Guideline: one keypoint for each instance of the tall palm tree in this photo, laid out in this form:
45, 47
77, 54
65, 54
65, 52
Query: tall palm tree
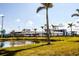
46, 6
42, 30
71, 25
76, 14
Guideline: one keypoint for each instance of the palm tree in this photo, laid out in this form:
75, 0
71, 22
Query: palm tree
42, 30
35, 40
46, 6
54, 27
35, 31
13, 33
71, 25
76, 14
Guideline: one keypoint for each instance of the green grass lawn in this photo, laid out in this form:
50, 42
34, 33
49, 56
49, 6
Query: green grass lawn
63, 46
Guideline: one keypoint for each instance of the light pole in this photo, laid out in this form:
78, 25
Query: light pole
2, 16
2, 44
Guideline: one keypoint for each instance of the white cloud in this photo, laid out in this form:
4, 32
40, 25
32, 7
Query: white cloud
29, 22
18, 20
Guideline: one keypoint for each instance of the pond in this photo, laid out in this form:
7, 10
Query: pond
16, 43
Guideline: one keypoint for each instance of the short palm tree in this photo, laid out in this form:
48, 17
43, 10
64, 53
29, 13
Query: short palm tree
70, 25
46, 6
76, 14
35, 31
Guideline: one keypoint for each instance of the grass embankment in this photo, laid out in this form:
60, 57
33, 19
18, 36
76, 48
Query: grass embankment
65, 47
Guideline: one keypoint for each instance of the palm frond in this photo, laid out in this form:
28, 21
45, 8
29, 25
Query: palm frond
52, 25
42, 27
35, 29
77, 10
68, 26
40, 8
49, 5
75, 15
71, 24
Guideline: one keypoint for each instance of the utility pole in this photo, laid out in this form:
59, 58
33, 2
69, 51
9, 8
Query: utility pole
2, 44
2, 26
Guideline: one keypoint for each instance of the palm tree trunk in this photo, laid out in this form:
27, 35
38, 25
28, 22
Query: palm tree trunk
48, 34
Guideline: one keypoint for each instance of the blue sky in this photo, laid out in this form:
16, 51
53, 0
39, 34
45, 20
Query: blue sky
23, 15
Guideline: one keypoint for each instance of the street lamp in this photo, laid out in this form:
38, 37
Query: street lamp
2, 16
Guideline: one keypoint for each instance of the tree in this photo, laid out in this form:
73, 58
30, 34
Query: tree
71, 25
54, 27
12, 33
76, 14
35, 31
46, 6
24, 30
3, 32
35, 40
42, 30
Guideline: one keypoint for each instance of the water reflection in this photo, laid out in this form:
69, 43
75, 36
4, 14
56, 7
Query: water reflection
16, 43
